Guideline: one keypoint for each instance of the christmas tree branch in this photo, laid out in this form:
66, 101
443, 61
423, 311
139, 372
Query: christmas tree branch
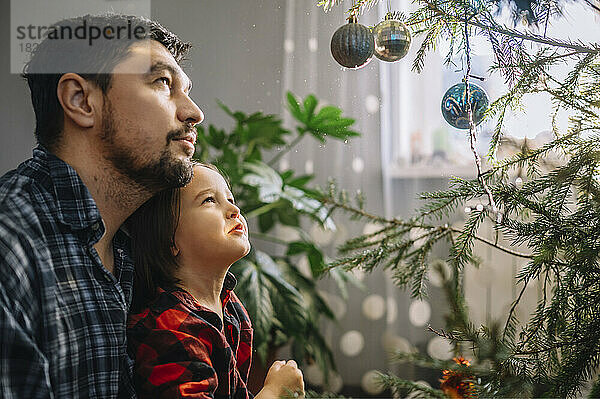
532, 37
396, 222
496, 246
506, 31
514, 305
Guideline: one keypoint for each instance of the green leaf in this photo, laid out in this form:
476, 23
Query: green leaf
310, 103
216, 137
265, 131
255, 288
295, 248
224, 108
327, 122
229, 159
326, 113
266, 221
287, 300
287, 174
270, 187
271, 270
287, 215
314, 255
300, 181
294, 108
240, 116
265, 179
303, 203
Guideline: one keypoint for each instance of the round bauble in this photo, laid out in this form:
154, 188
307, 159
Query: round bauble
352, 45
454, 105
392, 39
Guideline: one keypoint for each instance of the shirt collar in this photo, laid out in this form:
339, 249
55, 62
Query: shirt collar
76, 207
230, 282
228, 285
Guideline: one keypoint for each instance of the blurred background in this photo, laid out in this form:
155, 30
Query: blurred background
248, 55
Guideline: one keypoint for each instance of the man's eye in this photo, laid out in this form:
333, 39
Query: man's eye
209, 199
165, 80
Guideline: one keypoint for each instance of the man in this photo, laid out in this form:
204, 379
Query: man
114, 124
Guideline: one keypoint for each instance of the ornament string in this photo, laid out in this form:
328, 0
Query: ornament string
472, 137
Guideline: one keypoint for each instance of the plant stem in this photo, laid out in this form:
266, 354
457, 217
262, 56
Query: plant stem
266, 237
263, 209
285, 150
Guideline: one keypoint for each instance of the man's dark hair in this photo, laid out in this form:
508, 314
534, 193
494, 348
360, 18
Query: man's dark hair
54, 57
152, 228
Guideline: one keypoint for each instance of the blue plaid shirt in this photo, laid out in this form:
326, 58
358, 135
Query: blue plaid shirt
62, 314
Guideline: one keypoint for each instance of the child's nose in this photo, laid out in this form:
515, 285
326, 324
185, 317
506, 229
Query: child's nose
234, 212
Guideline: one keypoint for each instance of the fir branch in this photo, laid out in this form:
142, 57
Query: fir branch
531, 155
529, 36
510, 320
492, 26
400, 227
416, 390
461, 251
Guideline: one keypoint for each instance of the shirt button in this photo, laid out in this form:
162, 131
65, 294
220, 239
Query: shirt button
96, 226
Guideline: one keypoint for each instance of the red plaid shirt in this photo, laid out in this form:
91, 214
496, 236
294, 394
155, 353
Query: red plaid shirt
184, 350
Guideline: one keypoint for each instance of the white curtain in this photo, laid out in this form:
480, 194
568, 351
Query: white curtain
373, 321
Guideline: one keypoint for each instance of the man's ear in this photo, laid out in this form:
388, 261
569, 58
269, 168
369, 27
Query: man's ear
78, 98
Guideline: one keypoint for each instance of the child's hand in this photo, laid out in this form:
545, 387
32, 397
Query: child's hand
284, 379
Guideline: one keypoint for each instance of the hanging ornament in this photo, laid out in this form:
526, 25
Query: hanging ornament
392, 39
455, 109
352, 45
457, 384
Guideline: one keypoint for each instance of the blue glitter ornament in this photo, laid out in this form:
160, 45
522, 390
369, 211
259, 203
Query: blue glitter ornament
454, 107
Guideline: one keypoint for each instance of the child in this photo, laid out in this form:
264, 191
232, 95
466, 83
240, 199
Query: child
189, 333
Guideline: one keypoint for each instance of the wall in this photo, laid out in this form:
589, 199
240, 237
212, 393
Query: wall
237, 58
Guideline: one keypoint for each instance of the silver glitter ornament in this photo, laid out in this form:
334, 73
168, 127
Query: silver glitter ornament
392, 39
352, 45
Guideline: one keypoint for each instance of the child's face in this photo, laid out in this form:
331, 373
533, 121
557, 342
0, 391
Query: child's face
211, 229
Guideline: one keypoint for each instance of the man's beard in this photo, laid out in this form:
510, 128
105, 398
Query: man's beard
154, 174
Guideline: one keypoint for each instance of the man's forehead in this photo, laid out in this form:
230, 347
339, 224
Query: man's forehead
143, 57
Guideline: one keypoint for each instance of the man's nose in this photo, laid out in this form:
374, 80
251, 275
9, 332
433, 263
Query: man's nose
189, 112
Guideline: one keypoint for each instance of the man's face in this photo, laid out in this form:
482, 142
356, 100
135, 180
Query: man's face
148, 119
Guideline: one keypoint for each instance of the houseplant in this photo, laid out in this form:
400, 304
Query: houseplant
284, 303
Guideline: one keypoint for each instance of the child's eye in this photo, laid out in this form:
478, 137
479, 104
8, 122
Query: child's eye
210, 199
231, 200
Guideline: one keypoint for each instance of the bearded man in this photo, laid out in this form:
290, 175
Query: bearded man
114, 125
